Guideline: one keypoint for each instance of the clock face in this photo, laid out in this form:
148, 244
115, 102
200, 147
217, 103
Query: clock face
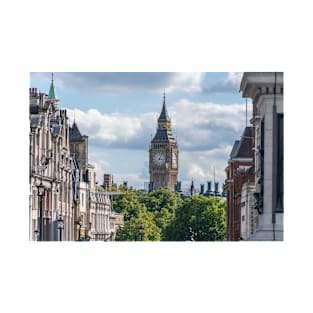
159, 158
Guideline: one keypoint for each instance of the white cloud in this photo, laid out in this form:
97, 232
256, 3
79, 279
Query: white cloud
198, 126
234, 77
206, 133
190, 82
119, 82
230, 84
202, 165
203, 126
114, 130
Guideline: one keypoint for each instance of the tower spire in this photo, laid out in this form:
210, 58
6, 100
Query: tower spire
164, 115
52, 94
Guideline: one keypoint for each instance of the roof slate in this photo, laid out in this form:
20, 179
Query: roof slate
75, 134
163, 135
164, 115
243, 147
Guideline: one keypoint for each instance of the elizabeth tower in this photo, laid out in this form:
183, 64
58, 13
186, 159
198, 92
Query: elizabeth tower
163, 158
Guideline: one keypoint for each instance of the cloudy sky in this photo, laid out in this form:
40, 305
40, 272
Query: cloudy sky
119, 111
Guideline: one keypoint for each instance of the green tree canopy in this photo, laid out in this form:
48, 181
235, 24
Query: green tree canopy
206, 216
130, 231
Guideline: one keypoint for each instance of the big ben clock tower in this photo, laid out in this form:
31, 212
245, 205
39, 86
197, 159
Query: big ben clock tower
163, 161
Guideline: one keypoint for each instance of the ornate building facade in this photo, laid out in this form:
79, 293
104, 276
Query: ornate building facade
65, 202
163, 154
266, 91
50, 169
94, 217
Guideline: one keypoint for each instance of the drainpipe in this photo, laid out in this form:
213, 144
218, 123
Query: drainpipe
274, 160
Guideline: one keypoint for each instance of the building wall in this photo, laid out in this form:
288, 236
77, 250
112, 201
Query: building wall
50, 164
235, 180
249, 216
260, 88
107, 181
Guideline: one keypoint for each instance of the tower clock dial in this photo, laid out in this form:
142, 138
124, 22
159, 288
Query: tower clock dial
159, 158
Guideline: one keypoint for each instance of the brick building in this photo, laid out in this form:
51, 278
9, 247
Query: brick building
240, 170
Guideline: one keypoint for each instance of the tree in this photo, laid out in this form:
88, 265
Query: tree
162, 198
161, 203
128, 203
130, 230
206, 217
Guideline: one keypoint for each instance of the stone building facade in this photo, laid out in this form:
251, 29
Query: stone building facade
266, 91
72, 206
93, 209
50, 166
249, 216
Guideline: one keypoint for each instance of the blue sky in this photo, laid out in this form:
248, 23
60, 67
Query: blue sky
119, 111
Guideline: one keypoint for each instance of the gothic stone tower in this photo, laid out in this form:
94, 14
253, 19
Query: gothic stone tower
163, 161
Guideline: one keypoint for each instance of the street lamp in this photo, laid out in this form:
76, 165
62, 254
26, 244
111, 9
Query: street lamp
80, 224
60, 222
141, 230
41, 193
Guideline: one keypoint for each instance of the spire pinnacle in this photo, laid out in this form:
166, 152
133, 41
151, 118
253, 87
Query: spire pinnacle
52, 94
164, 115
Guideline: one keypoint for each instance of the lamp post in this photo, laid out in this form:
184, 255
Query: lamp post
60, 222
41, 193
141, 231
80, 224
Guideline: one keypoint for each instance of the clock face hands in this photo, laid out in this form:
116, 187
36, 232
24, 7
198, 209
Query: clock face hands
159, 158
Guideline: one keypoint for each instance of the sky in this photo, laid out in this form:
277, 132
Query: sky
119, 112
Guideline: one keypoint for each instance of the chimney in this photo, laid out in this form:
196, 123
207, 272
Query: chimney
201, 189
209, 186
216, 188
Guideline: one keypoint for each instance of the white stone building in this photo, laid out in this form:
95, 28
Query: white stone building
249, 216
50, 166
93, 209
73, 206
266, 91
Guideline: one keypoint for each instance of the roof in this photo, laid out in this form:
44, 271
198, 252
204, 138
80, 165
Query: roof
164, 115
52, 94
243, 148
75, 134
163, 135
233, 151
